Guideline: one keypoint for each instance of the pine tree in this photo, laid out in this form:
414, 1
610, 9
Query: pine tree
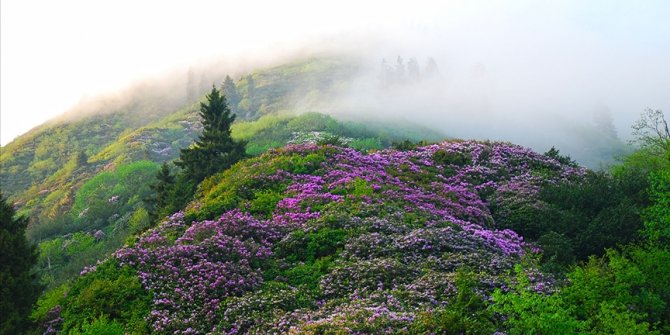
400, 71
163, 189
215, 150
431, 71
413, 72
231, 94
19, 286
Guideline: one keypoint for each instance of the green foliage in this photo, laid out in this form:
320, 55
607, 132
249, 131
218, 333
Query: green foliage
101, 326
652, 133
108, 297
465, 313
264, 202
620, 293
105, 205
307, 276
576, 219
19, 287
139, 220
215, 150
361, 188
163, 193
451, 158
308, 247
308, 256
615, 294
272, 299
278, 129
48, 301
218, 197
657, 216
332, 140
555, 154
232, 96
108, 195
404, 145
525, 311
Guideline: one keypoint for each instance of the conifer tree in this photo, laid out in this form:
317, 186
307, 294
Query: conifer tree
232, 95
215, 150
163, 189
19, 286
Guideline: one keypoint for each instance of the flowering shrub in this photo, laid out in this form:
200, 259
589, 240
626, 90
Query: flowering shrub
210, 261
322, 239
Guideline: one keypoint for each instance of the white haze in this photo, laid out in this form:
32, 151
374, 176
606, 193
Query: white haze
513, 70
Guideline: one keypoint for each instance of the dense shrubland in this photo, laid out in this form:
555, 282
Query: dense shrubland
324, 239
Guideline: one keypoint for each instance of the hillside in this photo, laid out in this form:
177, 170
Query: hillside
80, 176
147, 123
306, 239
320, 239
334, 225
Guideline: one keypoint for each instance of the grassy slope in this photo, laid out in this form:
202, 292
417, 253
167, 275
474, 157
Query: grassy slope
48, 171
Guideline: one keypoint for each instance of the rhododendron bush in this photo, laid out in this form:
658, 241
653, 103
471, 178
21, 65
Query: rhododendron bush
319, 239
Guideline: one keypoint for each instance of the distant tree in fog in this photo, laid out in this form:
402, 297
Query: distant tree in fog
431, 69
400, 70
231, 94
604, 122
413, 73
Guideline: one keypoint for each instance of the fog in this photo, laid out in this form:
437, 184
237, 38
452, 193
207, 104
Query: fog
538, 73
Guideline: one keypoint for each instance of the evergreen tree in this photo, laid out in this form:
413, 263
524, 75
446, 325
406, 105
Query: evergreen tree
604, 122
215, 150
231, 94
386, 75
413, 70
163, 189
82, 159
431, 71
19, 287
249, 105
400, 71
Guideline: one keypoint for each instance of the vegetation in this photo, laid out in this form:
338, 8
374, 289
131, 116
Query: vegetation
324, 238
107, 209
215, 150
88, 152
19, 286
323, 229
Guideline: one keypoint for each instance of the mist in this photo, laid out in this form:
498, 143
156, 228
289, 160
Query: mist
571, 76
536, 73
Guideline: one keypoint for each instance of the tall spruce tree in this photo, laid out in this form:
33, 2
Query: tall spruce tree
19, 286
163, 189
232, 95
215, 150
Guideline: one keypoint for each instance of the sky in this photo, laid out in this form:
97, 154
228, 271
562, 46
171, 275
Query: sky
560, 53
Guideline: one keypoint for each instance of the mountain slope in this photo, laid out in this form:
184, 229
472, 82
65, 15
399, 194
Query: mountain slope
320, 239
86, 175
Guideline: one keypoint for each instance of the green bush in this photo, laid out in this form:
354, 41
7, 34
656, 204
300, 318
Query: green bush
264, 202
525, 311
465, 313
101, 326
111, 292
576, 219
620, 293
